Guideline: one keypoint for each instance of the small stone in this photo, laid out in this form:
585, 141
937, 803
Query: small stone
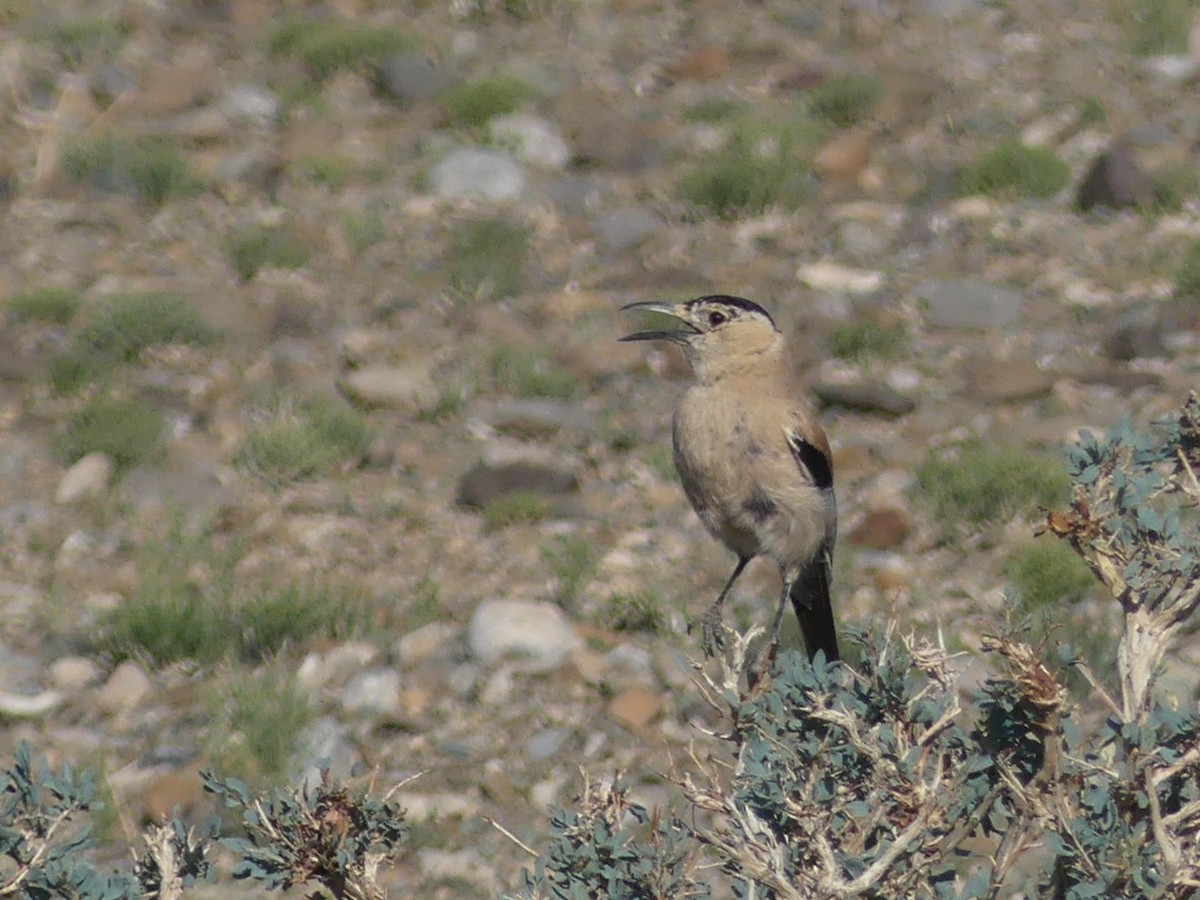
535, 140
167, 88
410, 78
702, 64
126, 687
577, 194
29, 706
251, 103
864, 396
70, 673
1115, 180
1136, 334
882, 529
540, 417
1009, 380
325, 745
844, 157
474, 171
635, 708
374, 691
827, 276
537, 633
546, 743
969, 304
408, 388
418, 645
624, 229
88, 478
486, 482
604, 138
861, 241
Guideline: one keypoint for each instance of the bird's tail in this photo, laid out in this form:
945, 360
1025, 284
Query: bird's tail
810, 599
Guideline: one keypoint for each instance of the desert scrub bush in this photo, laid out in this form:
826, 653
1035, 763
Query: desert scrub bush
486, 258
713, 109
147, 168
54, 306
126, 429
572, 560
763, 164
295, 440
1173, 187
642, 611
79, 38
1187, 276
363, 228
327, 45
845, 99
1156, 26
511, 509
1045, 574
257, 723
251, 249
860, 341
122, 326
525, 371
980, 483
1013, 168
472, 103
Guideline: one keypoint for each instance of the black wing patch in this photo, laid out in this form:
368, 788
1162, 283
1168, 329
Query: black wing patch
811, 460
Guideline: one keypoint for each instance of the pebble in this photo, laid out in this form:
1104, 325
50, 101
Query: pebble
411, 78
71, 673
624, 229
487, 482
475, 171
1009, 380
410, 388
635, 708
828, 276
171, 793
864, 396
535, 140
417, 646
882, 529
546, 743
127, 686
251, 103
86, 479
969, 304
374, 691
325, 744
844, 157
29, 706
536, 632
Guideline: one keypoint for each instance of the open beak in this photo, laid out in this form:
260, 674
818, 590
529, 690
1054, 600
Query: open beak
674, 310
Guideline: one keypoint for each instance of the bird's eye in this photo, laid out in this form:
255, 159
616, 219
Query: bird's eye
717, 318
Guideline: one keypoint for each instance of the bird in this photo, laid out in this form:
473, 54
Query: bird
753, 461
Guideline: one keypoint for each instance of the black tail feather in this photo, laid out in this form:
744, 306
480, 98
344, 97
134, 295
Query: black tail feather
810, 599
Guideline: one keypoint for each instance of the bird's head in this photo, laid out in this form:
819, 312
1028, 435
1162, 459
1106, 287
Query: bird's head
717, 333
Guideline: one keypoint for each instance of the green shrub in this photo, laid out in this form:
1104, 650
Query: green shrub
364, 228
55, 306
983, 483
270, 245
573, 562
303, 440
487, 258
472, 103
1173, 186
643, 611
147, 168
1045, 574
525, 371
326, 46
845, 99
78, 37
127, 430
124, 325
514, 508
1159, 26
1187, 276
762, 165
713, 109
274, 617
258, 722
867, 340
72, 370
1014, 168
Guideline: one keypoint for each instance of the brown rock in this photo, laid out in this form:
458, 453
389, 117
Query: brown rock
1009, 380
864, 396
635, 708
844, 157
702, 64
166, 89
1115, 180
174, 790
484, 484
882, 529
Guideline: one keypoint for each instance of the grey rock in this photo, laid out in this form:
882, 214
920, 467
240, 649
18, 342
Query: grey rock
474, 171
538, 634
251, 103
578, 194
861, 242
865, 396
411, 78
1009, 380
109, 82
374, 691
535, 140
1115, 180
540, 417
89, 477
623, 229
969, 304
486, 483
546, 743
1136, 334
325, 745
29, 706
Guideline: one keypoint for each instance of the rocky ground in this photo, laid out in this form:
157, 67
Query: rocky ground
499, 523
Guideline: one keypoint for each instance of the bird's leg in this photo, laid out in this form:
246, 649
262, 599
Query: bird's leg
767, 658
711, 637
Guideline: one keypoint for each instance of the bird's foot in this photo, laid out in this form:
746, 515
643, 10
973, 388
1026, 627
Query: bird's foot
763, 665
712, 631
